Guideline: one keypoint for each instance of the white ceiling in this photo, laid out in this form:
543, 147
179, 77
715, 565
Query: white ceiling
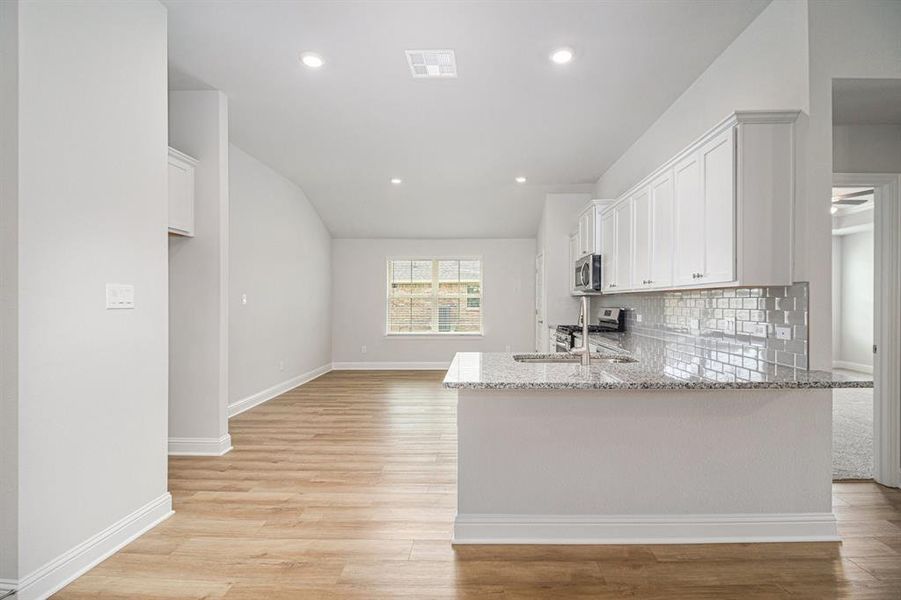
343, 131
866, 101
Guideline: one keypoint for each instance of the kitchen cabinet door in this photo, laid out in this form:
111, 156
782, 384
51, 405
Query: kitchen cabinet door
586, 232
689, 210
181, 193
661, 227
608, 250
624, 245
641, 256
717, 174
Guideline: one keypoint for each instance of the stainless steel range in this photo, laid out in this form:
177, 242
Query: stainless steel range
611, 319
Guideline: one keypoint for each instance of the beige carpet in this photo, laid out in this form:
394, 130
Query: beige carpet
852, 434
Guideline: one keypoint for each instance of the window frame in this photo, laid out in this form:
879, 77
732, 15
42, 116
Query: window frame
434, 334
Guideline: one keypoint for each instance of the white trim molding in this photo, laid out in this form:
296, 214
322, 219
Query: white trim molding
390, 366
200, 446
886, 321
67, 567
278, 389
852, 366
644, 529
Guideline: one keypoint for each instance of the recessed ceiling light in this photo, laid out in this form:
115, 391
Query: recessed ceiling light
312, 60
520, 179
561, 56
396, 180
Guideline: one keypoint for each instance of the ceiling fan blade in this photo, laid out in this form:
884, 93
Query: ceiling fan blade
854, 194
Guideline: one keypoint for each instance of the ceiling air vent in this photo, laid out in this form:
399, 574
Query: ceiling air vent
432, 64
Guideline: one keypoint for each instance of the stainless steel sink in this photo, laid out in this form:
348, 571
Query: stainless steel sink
569, 358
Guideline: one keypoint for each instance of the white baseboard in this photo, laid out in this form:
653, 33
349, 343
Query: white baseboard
844, 364
390, 366
278, 389
200, 446
67, 567
7, 585
644, 529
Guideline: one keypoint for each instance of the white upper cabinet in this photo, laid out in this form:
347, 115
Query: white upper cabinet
608, 250
661, 227
623, 246
641, 217
181, 193
589, 232
652, 214
586, 232
705, 213
689, 211
717, 214
717, 159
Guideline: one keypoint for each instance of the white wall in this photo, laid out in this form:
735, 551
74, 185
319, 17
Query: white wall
855, 309
280, 257
836, 297
9, 311
359, 292
866, 148
558, 219
846, 40
764, 68
92, 210
198, 279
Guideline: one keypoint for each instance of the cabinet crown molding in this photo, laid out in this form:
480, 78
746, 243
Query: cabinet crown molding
183, 157
765, 116
751, 117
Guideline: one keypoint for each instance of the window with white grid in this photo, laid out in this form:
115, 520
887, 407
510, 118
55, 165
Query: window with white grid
434, 296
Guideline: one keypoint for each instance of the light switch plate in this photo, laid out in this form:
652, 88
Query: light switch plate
783, 332
120, 295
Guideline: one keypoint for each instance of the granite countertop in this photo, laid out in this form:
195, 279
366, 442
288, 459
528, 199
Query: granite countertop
652, 370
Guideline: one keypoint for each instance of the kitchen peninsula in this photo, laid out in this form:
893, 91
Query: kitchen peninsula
622, 452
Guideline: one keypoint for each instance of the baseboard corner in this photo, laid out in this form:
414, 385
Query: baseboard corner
245, 404
67, 567
179, 446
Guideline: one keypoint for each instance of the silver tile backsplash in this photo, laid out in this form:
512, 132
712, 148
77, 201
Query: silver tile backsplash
720, 332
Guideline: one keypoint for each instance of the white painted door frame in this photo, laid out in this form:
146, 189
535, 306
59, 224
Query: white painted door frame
886, 321
540, 326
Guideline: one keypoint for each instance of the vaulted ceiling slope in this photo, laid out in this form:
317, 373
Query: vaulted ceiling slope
343, 131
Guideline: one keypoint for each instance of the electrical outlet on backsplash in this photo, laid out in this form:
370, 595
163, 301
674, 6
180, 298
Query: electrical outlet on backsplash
736, 331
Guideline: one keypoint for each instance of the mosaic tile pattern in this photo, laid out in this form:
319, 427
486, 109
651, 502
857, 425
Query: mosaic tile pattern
722, 334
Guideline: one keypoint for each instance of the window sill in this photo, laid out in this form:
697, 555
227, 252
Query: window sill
434, 336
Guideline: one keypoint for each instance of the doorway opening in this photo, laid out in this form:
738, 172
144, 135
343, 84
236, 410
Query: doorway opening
853, 257
866, 164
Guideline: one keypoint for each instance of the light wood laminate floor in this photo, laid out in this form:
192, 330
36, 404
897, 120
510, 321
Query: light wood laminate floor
345, 488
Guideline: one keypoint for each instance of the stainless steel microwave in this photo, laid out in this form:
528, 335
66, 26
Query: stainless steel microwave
588, 274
